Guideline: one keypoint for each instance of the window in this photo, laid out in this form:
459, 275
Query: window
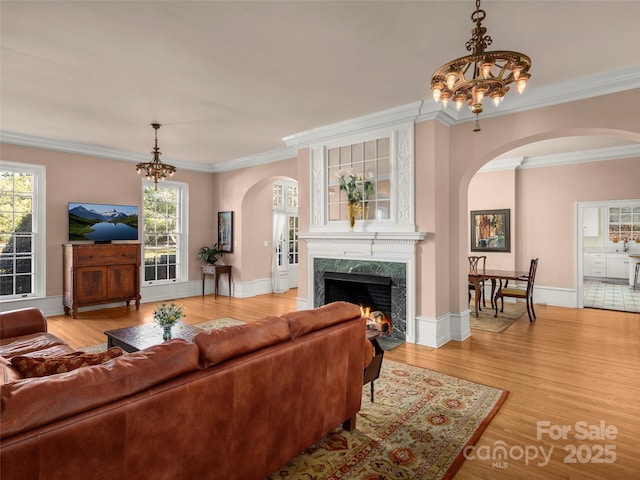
164, 221
370, 164
624, 223
278, 195
293, 239
22, 248
292, 196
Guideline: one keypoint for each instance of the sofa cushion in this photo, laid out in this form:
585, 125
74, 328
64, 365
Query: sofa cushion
306, 321
42, 366
8, 373
29, 343
216, 346
31, 402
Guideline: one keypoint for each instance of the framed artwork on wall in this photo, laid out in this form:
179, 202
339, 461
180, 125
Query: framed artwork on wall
490, 231
225, 231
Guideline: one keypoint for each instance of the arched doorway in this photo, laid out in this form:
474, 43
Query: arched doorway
285, 253
545, 183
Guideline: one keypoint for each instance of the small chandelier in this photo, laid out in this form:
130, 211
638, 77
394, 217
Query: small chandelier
156, 169
482, 74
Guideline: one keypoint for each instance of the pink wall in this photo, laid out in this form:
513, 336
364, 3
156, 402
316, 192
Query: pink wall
489, 191
78, 178
547, 200
544, 209
248, 193
304, 199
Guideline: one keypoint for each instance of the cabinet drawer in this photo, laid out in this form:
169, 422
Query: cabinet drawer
106, 255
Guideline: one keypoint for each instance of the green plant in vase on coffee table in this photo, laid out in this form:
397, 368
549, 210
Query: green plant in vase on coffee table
167, 316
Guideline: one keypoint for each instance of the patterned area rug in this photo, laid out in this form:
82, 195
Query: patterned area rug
218, 323
416, 429
208, 325
486, 322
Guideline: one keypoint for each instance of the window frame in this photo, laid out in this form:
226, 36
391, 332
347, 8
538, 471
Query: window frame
182, 227
38, 223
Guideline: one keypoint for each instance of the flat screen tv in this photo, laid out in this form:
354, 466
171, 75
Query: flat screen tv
102, 223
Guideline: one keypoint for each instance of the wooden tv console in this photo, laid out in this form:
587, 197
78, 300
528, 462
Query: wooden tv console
95, 274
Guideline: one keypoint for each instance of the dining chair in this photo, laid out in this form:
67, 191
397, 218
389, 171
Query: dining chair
477, 262
515, 292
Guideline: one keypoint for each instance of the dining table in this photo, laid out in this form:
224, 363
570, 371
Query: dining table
476, 276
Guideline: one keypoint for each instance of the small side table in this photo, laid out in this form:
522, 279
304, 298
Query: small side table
372, 372
216, 271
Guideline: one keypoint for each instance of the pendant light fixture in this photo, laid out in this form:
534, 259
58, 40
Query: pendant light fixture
156, 169
482, 74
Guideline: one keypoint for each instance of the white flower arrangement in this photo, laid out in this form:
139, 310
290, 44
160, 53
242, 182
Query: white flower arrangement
356, 187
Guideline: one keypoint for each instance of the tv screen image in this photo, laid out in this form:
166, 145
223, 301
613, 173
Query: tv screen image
102, 223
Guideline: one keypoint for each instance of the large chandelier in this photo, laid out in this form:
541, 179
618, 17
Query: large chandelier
480, 75
156, 169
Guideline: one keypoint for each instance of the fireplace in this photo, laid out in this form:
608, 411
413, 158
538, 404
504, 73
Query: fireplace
388, 276
371, 292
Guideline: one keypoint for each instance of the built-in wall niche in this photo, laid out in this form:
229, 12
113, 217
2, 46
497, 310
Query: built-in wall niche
367, 166
385, 159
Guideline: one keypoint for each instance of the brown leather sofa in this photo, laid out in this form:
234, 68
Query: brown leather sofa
238, 403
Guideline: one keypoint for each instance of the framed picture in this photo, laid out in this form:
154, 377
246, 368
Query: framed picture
490, 231
225, 231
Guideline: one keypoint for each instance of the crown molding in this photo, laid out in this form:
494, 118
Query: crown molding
286, 153
501, 164
557, 159
33, 141
386, 118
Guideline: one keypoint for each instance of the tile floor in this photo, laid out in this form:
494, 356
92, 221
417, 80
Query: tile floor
611, 296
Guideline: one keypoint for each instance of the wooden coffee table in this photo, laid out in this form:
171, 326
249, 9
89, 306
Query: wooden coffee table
132, 339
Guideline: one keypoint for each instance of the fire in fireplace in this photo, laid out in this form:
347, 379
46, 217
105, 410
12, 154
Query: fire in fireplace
376, 320
371, 292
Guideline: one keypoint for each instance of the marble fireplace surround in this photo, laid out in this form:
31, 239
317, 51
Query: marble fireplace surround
385, 254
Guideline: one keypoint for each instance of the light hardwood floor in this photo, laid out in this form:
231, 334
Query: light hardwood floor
575, 368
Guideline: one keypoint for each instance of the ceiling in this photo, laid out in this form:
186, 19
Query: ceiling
229, 79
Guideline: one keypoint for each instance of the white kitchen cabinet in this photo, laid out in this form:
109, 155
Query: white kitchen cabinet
591, 222
597, 265
617, 265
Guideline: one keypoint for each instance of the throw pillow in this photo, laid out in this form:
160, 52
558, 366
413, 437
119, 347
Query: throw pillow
9, 372
43, 366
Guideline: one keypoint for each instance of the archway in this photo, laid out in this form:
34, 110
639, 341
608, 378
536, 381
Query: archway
257, 244
544, 197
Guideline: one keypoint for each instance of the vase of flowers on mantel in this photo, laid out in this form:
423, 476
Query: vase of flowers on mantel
358, 189
167, 316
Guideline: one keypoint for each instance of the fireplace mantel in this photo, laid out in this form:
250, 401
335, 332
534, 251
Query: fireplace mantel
364, 237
